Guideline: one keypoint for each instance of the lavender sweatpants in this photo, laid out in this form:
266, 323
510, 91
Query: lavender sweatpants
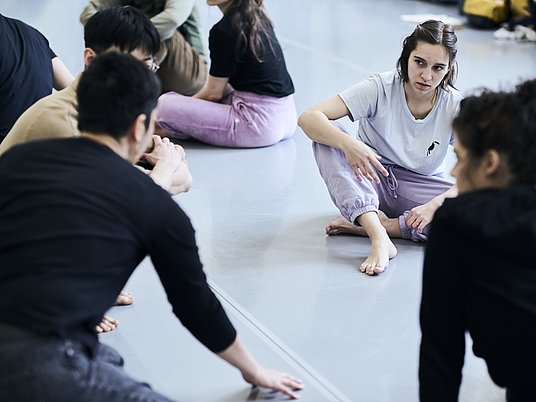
239, 120
395, 195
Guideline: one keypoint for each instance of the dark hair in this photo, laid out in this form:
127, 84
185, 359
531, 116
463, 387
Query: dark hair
113, 91
251, 22
504, 121
435, 33
126, 28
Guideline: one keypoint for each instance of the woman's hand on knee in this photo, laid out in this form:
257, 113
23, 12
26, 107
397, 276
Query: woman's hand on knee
421, 216
364, 161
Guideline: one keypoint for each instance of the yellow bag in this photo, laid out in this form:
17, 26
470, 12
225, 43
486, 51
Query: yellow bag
487, 14
519, 8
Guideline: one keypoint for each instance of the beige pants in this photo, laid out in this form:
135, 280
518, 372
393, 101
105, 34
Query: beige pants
182, 69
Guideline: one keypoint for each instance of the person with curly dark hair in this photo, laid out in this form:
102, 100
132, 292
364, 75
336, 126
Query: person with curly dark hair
247, 101
480, 269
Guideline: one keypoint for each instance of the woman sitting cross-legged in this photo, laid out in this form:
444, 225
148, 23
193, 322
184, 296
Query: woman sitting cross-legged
247, 101
390, 180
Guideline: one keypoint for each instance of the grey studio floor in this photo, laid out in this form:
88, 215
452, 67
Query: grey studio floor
295, 295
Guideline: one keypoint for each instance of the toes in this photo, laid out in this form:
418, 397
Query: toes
107, 324
124, 298
378, 269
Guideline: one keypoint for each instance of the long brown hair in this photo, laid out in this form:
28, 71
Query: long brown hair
249, 19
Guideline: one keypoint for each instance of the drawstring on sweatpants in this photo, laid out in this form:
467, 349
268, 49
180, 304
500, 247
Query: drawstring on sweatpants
392, 182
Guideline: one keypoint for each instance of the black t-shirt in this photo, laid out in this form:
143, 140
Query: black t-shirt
75, 221
270, 77
26, 73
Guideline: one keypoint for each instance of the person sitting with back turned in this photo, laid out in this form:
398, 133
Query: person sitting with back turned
181, 59
29, 70
248, 99
73, 228
479, 268
389, 181
123, 29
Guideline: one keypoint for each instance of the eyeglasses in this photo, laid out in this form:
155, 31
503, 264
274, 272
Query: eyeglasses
151, 64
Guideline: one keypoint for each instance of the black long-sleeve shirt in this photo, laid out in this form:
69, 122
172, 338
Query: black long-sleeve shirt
480, 276
75, 221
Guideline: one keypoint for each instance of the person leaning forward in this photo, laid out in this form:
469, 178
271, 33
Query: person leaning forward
181, 59
72, 230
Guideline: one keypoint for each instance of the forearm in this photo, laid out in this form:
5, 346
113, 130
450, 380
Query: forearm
440, 199
207, 95
214, 89
62, 76
317, 126
238, 356
181, 180
163, 175
175, 13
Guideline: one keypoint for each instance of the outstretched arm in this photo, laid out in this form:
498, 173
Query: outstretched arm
174, 253
238, 356
422, 215
62, 75
315, 122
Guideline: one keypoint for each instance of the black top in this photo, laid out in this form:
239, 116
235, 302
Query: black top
270, 77
26, 73
75, 221
480, 276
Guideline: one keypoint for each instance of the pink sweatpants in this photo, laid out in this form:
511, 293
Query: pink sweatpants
239, 120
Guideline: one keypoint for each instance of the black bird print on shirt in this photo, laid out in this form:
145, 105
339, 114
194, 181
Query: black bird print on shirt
431, 147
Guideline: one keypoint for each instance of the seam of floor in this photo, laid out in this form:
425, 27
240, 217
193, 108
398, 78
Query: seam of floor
324, 55
315, 378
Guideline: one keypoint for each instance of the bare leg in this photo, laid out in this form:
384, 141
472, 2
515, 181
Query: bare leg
107, 324
340, 225
382, 249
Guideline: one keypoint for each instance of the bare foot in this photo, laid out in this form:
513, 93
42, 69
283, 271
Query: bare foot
161, 132
107, 324
124, 299
341, 225
381, 252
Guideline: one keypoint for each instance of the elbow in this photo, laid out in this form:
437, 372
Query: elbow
306, 121
302, 120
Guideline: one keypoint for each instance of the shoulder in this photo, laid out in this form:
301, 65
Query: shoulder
29, 33
499, 207
222, 27
372, 85
52, 116
451, 97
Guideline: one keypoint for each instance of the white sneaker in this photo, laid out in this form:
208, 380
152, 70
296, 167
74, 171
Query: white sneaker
505, 34
525, 33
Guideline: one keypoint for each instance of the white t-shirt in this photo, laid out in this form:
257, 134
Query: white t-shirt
387, 125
